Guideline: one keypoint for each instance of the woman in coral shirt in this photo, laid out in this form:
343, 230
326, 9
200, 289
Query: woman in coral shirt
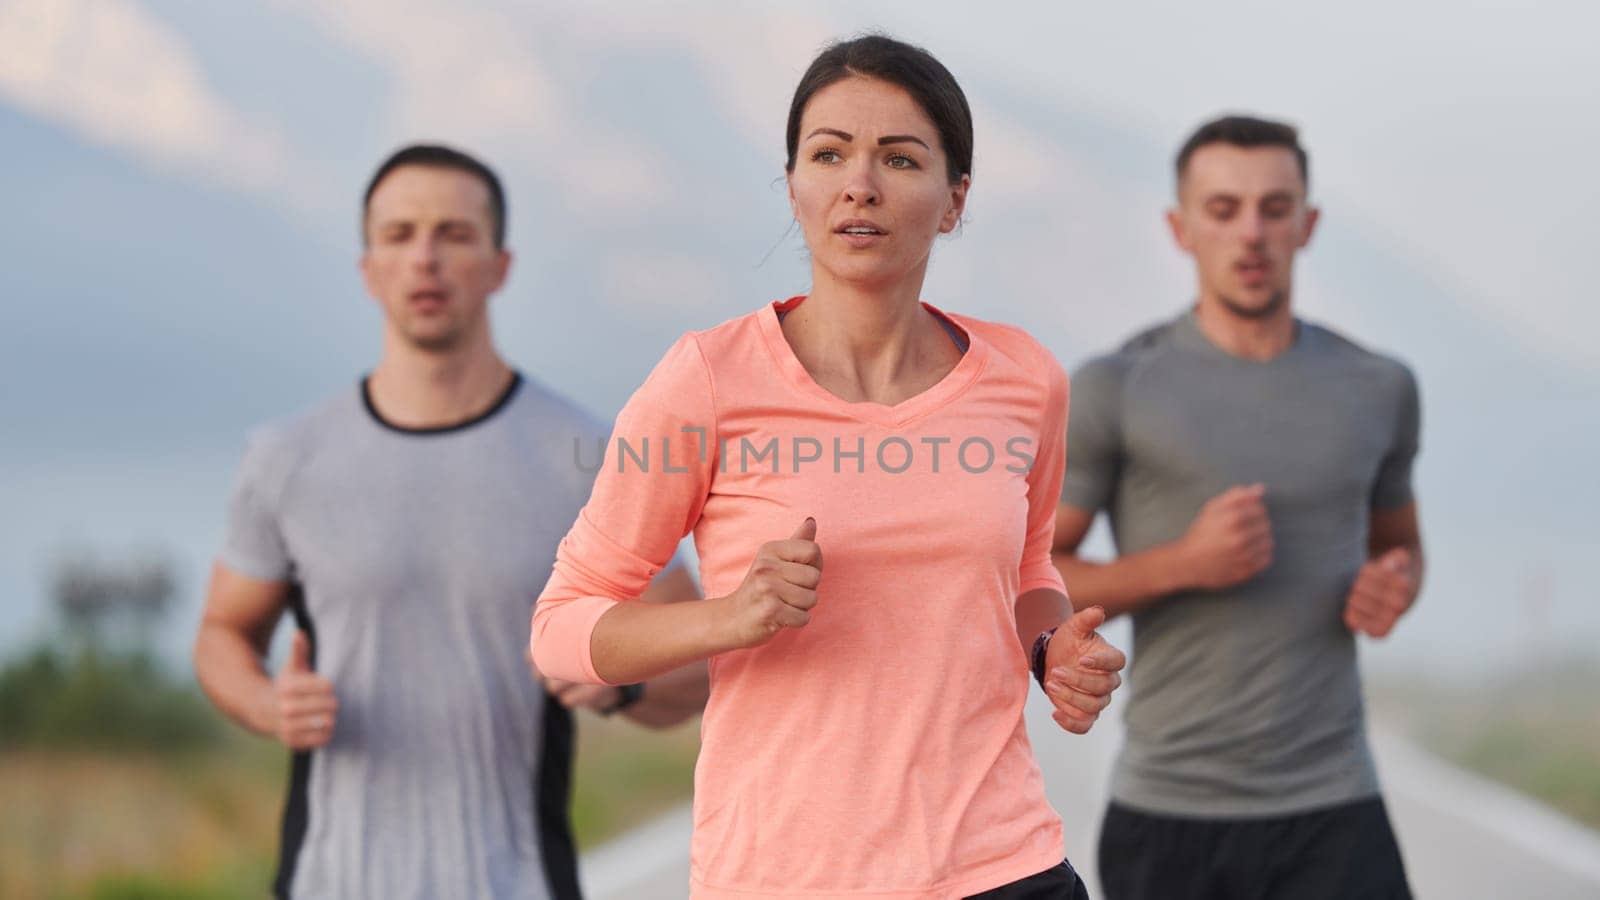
864, 736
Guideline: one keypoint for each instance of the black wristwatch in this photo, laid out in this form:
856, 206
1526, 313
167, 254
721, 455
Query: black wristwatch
627, 695
1041, 645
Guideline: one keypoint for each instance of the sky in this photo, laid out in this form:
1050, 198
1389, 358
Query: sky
183, 184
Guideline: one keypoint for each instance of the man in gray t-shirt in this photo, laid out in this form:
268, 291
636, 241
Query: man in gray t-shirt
408, 524
1256, 469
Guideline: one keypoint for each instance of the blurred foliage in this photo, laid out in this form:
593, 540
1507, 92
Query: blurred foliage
119, 782
625, 775
115, 602
103, 824
1536, 729
1544, 761
95, 684
113, 824
91, 698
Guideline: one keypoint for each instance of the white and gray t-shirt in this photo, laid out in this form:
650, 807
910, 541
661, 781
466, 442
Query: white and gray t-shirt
416, 557
1244, 701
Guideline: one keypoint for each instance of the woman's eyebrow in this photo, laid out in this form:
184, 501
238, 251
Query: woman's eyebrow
841, 135
902, 139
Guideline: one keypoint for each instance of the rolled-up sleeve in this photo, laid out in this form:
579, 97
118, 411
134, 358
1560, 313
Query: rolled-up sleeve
648, 494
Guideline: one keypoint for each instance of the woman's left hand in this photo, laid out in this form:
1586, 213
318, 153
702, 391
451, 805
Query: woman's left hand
1081, 670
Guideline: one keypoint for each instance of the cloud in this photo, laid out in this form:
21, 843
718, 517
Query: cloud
110, 71
474, 75
671, 284
1468, 156
459, 70
751, 56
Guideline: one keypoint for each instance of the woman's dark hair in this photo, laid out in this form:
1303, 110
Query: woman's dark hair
903, 65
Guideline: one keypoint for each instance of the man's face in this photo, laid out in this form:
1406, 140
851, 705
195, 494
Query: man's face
430, 259
1242, 214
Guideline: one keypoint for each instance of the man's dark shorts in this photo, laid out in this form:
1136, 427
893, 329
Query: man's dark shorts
1346, 852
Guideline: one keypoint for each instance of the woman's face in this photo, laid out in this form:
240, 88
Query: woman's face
869, 186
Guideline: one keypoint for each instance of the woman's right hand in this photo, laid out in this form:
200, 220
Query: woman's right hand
777, 593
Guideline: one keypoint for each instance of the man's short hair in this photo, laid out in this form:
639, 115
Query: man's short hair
441, 157
1245, 131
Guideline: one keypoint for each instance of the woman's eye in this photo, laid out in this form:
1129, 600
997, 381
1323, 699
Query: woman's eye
825, 156
899, 161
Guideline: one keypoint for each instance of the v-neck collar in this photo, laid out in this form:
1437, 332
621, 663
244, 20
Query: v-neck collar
900, 414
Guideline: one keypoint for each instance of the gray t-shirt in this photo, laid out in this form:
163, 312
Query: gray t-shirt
417, 556
1245, 701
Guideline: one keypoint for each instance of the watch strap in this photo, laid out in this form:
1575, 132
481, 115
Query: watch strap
627, 695
1041, 648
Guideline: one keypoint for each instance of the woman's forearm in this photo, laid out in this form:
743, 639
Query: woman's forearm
1039, 610
639, 641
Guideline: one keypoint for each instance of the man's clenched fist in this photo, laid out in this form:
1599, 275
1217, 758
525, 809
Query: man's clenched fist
572, 695
1384, 589
303, 705
1230, 540
779, 590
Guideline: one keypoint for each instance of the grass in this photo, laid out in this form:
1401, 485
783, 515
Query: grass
98, 824
625, 776
1536, 730
93, 824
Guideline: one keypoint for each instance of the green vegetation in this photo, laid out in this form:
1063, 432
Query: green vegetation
101, 824
625, 776
1536, 730
55, 698
118, 781
190, 824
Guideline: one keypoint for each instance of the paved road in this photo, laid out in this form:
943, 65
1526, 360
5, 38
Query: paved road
1461, 835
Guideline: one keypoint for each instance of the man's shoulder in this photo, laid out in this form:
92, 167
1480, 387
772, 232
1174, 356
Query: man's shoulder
277, 447
1361, 360
542, 406
292, 433
1110, 371
1155, 338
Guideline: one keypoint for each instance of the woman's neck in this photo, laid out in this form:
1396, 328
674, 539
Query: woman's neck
866, 344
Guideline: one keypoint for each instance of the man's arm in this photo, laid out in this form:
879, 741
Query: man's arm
1123, 585
668, 699
297, 707
1388, 584
1228, 542
1398, 528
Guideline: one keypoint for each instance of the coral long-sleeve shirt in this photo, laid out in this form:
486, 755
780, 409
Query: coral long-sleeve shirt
879, 751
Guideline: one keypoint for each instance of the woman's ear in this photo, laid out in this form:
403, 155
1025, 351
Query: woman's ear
958, 205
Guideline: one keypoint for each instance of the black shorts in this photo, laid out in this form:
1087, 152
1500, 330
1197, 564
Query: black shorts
1059, 882
1346, 852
